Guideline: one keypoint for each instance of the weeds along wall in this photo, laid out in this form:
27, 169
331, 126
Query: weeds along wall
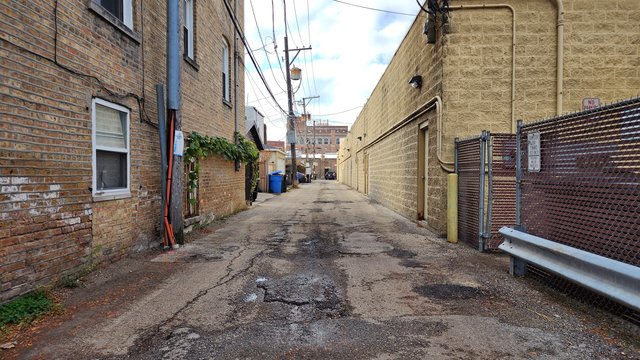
471, 68
57, 57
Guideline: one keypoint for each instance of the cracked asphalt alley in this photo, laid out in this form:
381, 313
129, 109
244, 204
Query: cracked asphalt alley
321, 272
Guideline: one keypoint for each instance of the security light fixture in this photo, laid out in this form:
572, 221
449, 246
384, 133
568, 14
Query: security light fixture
416, 82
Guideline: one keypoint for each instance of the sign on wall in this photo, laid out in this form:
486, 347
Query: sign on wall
533, 151
178, 143
590, 103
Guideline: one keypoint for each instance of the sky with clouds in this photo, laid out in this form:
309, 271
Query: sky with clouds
351, 48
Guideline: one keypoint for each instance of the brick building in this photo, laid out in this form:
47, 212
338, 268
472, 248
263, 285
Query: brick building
489, 66
327, 143
327, 137
79, 148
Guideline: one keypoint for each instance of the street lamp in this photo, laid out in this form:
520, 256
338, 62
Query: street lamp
296, 73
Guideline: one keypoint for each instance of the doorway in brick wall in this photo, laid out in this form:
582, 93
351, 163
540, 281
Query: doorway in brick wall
366, 173
423, 170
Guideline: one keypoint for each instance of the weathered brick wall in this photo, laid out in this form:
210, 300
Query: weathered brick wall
49, 223
46, 212
204, 111
601, 59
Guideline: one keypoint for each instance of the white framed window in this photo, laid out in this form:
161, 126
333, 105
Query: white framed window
121, 9
111, 150
225, 70
187, 6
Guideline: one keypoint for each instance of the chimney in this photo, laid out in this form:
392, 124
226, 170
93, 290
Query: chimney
265, 133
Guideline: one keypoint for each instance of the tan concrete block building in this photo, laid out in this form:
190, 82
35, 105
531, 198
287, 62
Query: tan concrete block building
490, 65
78, 114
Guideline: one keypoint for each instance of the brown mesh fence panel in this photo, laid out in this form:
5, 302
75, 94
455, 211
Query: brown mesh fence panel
587, 192
503, 183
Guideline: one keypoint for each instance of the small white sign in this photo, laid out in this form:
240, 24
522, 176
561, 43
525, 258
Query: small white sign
178, 143
590, 103
291, 137
533, 153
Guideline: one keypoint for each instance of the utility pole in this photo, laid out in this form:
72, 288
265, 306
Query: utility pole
291, 134
304, 111
314, 146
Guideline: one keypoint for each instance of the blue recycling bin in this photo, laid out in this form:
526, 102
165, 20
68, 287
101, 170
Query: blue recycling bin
275, 182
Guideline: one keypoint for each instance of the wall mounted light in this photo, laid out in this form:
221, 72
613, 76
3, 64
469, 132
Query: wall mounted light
416, 82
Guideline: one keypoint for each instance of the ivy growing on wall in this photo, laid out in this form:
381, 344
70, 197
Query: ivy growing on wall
201, 146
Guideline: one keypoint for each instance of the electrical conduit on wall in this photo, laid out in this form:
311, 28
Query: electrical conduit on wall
437, 101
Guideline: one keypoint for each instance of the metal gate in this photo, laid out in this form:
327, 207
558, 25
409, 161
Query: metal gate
486, 168
469, 165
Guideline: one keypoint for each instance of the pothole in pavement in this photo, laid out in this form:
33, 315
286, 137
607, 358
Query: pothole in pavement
450, 291
359, 243
336, 202
277, 238
320, 296
195, 253
414, 264
402, 254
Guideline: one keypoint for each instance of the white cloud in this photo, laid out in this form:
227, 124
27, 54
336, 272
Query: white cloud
351, 49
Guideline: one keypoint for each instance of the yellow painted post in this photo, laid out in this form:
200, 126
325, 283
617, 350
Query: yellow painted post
452, 208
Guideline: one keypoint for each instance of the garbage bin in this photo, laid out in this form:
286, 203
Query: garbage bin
275, 182
285, 180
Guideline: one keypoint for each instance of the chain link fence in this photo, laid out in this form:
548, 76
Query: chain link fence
580, 183
502, 186
580, 187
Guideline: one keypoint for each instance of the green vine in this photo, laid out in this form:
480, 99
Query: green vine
201, 146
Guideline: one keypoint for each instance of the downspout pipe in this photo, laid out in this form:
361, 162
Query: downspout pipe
560, 58
175, 165
173, 54
235, 80
559, 54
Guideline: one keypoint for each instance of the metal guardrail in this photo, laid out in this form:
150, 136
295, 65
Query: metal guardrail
610, 278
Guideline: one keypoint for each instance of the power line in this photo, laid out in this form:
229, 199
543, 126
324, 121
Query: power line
265, 98
342, 112
374, 9
250, 53
264, 46
251, 83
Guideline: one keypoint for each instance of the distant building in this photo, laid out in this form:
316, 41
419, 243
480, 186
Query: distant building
327, 140
276, 145
325, 137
